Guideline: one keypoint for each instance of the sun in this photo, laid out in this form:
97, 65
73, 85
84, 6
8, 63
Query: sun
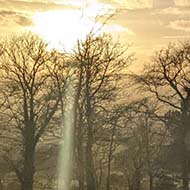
61, 29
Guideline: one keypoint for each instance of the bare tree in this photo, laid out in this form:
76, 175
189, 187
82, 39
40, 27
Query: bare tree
168, 79
101, 63
29, 99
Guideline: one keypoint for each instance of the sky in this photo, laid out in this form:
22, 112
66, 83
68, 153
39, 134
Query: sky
148, 25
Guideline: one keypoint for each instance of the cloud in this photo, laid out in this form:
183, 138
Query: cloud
182, 2
8, 17
163, 4
24, 21
6, 13
174, 12
118, 28
33, 6
141, 4
177, 37
151, 24
137, 20
129, 4
16, 15
183, 25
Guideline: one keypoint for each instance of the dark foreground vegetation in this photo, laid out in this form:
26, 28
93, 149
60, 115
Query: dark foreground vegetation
131, 131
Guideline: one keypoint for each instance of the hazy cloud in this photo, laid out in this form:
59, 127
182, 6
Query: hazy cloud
17, 14
118, 28
163, 4
23, 20
141, 4
129, 4
33, 6
12, 17
183, 25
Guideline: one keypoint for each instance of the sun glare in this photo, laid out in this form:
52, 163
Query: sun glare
61, 29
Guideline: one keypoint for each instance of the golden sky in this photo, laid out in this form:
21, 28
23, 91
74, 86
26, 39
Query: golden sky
147, 24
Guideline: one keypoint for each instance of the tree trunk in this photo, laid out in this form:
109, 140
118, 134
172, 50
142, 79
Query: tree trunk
184, 131
151, 182
80, 158
90, 177
110, 157
90, 172
78, 126
28, 171
185, 176
130, 184
28, 168
108, 175
81, 183
1, 185
185, 182
137, 180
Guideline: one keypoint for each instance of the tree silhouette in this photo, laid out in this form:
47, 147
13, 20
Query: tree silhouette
29, 100
168, 79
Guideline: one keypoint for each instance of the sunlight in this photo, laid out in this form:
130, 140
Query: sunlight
66, 151
63, 28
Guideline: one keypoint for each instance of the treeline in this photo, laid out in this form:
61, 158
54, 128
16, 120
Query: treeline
131, 131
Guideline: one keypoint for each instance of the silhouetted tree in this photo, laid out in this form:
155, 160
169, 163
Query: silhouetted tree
168, 79
29, 100
100, 63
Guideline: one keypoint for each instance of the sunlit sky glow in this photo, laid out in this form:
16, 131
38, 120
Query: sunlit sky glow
61, 31
62, 28
146, 24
